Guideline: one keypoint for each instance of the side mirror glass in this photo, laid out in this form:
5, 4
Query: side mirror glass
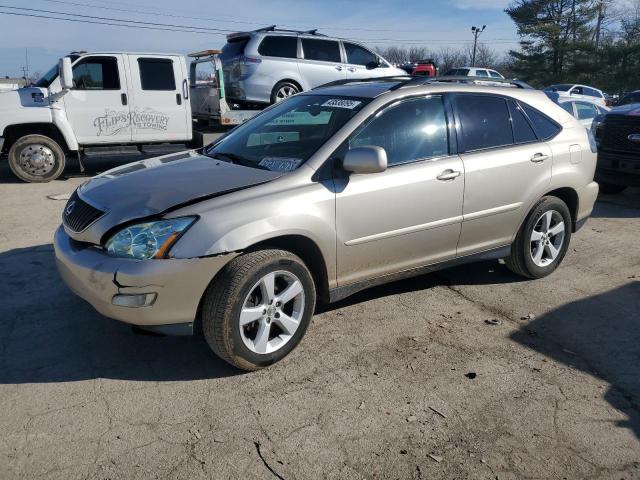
66, 73
369, 159
373, 64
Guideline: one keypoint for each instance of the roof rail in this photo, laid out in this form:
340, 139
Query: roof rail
464, 79
417, 80
397, 78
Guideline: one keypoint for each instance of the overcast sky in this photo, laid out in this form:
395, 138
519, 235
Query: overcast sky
433, 23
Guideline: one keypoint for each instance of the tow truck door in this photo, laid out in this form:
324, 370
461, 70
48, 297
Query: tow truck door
160, 107
97, 106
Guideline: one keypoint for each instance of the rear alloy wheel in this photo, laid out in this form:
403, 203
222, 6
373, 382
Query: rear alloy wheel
36, 158
543, 239
258, 308
283, 90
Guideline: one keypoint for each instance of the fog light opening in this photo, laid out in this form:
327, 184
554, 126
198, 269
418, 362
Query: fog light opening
136, 300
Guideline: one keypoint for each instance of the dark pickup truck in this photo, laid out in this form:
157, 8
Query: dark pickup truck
618, 137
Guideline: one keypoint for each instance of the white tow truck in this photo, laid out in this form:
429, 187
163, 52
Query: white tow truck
111, 103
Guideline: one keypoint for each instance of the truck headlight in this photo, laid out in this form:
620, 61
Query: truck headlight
148, 240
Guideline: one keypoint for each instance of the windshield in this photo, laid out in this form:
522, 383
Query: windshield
285, 136
631, 98
47, 78
559, 88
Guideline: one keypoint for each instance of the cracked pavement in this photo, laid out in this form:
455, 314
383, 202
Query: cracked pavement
379, 388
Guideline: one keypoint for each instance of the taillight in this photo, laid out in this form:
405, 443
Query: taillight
244, 59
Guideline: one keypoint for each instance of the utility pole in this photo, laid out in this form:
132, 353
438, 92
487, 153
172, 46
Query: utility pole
476, 33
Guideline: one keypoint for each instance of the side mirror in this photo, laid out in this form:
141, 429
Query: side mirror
66, 74
373, 64
369, 159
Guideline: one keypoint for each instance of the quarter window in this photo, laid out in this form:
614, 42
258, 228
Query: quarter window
568, 106
156, 74
96, 73
321, 50
545, 128
279, 46
494, 74
485, 121
586, 111
357, 55
412, 130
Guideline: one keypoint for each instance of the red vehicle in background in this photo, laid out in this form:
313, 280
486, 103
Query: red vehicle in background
426, 68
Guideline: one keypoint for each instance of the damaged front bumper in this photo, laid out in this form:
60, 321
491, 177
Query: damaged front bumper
148, 293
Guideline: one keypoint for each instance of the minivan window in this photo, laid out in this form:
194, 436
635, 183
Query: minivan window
96, 73
285, 136
481, 73
321, 50
156, 74
279, 46
463, 72
522, 131
545, 127
411, 130
357, 55
484, 121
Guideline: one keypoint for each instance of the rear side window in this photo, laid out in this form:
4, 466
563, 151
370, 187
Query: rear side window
481, 73
485, 121
463, 72
494, 74
156, 74
522, 131
279, 46
96, 73
586, 110
591, 92
545, 127
568, 106
321, 50
357, 55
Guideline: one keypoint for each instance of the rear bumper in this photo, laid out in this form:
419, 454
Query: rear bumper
586, 200
178, 284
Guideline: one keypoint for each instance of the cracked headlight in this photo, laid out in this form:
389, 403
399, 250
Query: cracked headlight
148, 240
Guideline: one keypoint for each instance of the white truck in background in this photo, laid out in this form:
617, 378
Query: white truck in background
108, 103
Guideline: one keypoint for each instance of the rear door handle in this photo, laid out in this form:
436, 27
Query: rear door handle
351, 69
448, 174
539, 157
339, 68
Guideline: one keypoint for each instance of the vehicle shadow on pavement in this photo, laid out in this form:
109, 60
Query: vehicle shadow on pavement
599, 335
47, 334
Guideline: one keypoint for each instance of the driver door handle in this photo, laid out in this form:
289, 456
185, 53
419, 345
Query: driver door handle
339, 68
539, 157
448, 174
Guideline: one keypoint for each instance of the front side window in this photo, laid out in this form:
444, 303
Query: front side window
411, 130
485, 121
96, 73
156, 74
285, 136
279, 46
321, 50
357, 55
586, 111
631, 98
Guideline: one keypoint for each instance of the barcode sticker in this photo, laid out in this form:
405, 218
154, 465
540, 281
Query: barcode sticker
341, 103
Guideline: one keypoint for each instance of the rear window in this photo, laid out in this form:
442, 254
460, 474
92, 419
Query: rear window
321, 50
279, 46
563, 87
463, 72
545, 127
156, 74
234, 48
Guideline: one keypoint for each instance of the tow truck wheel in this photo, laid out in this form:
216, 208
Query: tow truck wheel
36, 158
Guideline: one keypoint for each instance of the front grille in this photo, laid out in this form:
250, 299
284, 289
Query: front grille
78, 214
615, 133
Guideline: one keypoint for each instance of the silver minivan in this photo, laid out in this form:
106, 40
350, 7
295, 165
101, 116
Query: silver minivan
269, 64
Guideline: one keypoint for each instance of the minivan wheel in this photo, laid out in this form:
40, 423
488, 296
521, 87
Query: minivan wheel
258, 309
543, 239
36, 158
283, 90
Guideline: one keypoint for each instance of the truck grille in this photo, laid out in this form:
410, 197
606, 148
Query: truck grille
78, 214
615, 133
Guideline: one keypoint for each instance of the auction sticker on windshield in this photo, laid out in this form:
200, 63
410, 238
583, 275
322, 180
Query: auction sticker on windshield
341, 103
280, 164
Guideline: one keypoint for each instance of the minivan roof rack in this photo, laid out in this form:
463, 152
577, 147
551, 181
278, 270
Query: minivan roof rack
274, 28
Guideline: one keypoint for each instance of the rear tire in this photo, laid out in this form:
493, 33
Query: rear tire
284, 90
36, 159
248, 318
610, 188
543, 239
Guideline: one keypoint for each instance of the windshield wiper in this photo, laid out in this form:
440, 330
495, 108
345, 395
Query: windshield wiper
236, 159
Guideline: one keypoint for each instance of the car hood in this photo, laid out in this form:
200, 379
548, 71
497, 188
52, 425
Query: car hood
157, 185
632, 110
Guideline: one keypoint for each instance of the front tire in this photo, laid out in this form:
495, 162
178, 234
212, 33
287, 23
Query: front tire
36, 159
258, 309
543, 239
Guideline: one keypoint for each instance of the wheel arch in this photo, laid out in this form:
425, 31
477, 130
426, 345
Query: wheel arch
290, 80
569, 196
13, 133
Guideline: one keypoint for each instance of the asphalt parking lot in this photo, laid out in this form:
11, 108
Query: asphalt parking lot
467, 373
